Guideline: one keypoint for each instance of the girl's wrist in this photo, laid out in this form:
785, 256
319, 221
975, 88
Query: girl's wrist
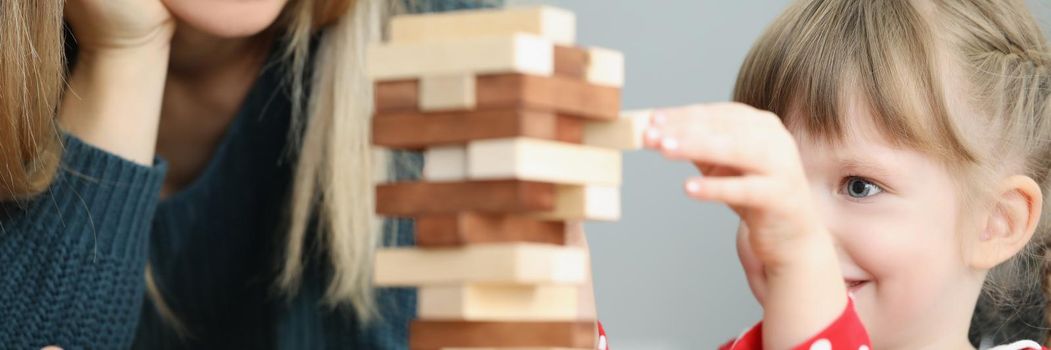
805, 292
802, 254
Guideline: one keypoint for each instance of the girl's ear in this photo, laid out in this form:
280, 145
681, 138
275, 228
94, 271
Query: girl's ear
1010, 223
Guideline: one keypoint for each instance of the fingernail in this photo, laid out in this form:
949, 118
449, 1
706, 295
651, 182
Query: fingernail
653, 134
659, 118
693, 186
670, 144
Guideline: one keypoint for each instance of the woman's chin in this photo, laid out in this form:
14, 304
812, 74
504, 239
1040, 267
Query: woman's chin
225, 18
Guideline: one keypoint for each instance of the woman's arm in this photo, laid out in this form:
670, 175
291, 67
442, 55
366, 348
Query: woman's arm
116, 88
114, 99
115, 94
72, 259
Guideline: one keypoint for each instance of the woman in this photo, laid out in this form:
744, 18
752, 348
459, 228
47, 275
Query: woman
234, 94
263, 109
73, 237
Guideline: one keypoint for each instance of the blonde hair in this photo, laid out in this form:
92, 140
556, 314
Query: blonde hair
899, 56
31, 73
337, 167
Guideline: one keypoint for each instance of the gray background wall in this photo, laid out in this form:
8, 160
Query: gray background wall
667, 275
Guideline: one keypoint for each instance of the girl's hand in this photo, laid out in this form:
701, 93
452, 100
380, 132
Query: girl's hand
118, 24
750, 161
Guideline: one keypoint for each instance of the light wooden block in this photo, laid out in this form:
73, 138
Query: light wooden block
499, 303
558, 94
605, 67
516, 53
447, 92
504, 263
623, 134
435, 335
444, 230
600, 203
413, 130
543, 161
445, 163
410, 199
555, 24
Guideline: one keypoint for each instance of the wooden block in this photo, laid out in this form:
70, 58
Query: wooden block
515, 91
398, 96
600, 203
456, 91
571, 62
605, 67
409, 199
561, 94
502, 263
442, 230
623, 134
594, 65
544, 161
445, 163
499, 303
417, 131
555, 24
447, 92
518, 53
434, 335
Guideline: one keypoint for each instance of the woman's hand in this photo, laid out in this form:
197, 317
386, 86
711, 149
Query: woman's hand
117, 85
750, 161
118, 24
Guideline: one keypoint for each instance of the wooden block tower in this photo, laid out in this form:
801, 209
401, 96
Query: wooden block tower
522, 135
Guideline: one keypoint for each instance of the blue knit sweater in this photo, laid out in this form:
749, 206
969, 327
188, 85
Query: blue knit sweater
72, 260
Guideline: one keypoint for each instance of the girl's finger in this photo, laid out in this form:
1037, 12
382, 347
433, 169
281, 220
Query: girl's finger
728, 135
743, 191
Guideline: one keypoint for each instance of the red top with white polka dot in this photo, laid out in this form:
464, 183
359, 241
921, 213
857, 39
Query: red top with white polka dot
846, 332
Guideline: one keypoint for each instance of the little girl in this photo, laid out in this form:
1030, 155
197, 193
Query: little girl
888, 160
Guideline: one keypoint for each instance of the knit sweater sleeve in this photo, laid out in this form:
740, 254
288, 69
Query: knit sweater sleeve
72, 259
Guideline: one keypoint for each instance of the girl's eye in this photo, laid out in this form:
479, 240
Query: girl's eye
857, 187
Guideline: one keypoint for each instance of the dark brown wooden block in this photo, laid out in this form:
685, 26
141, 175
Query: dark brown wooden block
442, 230
397, 96
571, 62
421, 130
409, 199
515, 91
435, 335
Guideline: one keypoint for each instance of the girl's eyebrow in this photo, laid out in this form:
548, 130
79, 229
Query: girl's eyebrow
869, 167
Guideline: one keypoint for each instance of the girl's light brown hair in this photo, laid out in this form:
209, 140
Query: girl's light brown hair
31, 70
915, 64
